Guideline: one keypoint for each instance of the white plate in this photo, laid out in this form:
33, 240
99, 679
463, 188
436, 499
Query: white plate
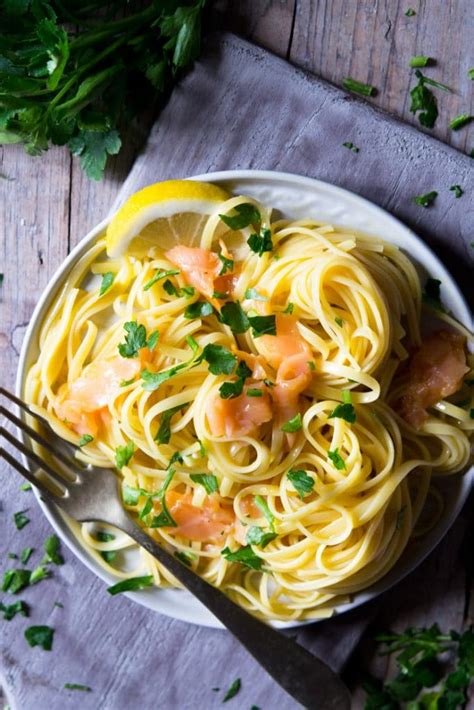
295, 197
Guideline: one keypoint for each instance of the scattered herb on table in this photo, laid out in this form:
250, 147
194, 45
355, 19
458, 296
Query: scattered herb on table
14, 580
458, 191
358, 87
74, 73
233, 690
424, 101
21, 519
77, 686
51, 548
470, 74
40, 636
420, 61
26, 487
427, 199
351, 147
410, 12
11, 610
25, 555
460, 121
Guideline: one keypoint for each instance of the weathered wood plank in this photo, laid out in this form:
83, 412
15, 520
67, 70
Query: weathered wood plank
373, 41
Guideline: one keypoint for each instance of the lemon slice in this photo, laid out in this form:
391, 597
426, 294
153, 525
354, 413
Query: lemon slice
162, 215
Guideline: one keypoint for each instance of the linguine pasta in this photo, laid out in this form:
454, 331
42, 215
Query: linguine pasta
292, 499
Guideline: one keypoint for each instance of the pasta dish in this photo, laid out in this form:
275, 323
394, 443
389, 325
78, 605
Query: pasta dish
272, 393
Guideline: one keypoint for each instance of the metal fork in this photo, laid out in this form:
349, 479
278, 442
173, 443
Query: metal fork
91, 494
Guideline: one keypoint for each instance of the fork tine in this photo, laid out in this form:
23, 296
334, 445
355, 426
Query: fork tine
21, 404
58, 480
45, 492
68, 461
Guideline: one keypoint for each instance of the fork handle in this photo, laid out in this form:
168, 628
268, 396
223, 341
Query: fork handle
305, 677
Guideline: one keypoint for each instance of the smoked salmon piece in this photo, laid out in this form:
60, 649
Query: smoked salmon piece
200, 267
209, 523
287, 342
293, 377
239, 416
435, 371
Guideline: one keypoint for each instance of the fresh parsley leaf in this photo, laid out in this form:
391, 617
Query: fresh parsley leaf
220, 296
11, 610
106, 283
25, 555
420, 60
158, 275
14, 580
233, 690
289, 308
172, 290
208, 481
93, 147
152, 340
262, 325
38, 574
431, 82
424, 101
470, 73
199, 309
339, 322
135, 339
233, 315
336, 459
460, 121
102, 536
262, 505
131, 495
301, 482
293, 424
245, 555
253, 294
164, 432
131, 585
220, 359
51, 547
358, 87
147, 508
427, 199
247, 214
261, 243
432, 294
21, 519
227, 265
410, 12
344, 411
85, 439
164, 518
257, 536
458, 191
77, 686
25, 487
40, 636
254, 392
126, 383
176, 458
123, 454
230, 390
185, 557
351, 146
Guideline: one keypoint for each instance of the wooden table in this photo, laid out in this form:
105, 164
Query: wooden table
47, 205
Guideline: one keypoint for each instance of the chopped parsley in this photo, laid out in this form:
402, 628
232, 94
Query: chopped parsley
207, 480
185, 557
245, 555
106, 283
164, 518
164, 431
152, 380
339, 322
257, 536
247, 214
358, 87
351, 146
77, 686
160, 274
176, 458
460, 121
85, 439
233, 690
135, 339
51, 547
14, 580
227, 264
252, 293
152, 340
262, 325
123, 454
290, 308
420, 60
11, 610
126, 383
301, 482
220, 296
25, 555
470, 74
293, 424
220, 359
432, 295
344, 411
410, 12
233, 315
254, 392
131, 495
172, 290
25, 487
231, 390
131, 585
262, 505
40, 636
336, 459
458, 191
38, 574
427, 199
261, 243
21, 519
198, 309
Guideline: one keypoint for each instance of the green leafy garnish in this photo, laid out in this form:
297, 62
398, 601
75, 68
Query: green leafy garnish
164, 432
245, 555
351, 146
85, 439
261, 243
198, 309
40, 636
432, 294
255, 295
152, 380
14, 580
458, 191
460, 121
357, 87
227, 264
233, 315
25, 487
51, 547
131, 495
25, 555
293, 424
302, 483
289, 308
123, 454
106, 283
410, 12
152, 340
262, 325
344, 411
420, 60
131, 585
231, 390
470, 73
257, 536
173, 290
220, 296
262, 504
176, 458
207, 480
158, 275
247, 214
185, 557
427, 199
339, 322
38, 574
11, 610
77, 686
233, 690
135, 339
253, 392
220, 359
336, 459
424, 101
21, 519
164, 518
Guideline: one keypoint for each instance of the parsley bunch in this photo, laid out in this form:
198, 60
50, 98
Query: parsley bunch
421, 660
71, 73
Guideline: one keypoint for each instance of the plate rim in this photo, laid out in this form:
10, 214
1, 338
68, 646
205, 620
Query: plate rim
424, 254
